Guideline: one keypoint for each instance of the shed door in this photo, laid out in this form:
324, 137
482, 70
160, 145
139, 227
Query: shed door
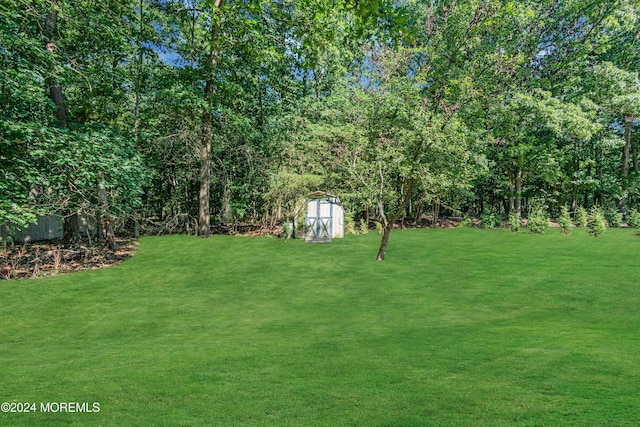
319, 218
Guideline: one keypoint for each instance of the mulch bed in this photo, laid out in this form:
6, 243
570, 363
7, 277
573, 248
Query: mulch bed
41, 259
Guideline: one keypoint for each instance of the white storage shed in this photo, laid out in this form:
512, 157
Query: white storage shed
324, 218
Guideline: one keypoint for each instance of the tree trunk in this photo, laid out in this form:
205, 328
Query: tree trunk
387, 222
624, 169
51, 44
70, 226
519, 193
225, 209
512, 192
136, 111
419, 212
386, 231
204, 215
105, 219
436, 212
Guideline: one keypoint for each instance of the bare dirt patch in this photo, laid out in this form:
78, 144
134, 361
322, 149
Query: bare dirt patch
41, 259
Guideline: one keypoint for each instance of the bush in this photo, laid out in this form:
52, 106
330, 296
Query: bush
349, 224
613, 217
514, 222
364, 227
596, 222
564, 222
286, 230
466, 222
490, 220
538, 220
633, 218
582, 219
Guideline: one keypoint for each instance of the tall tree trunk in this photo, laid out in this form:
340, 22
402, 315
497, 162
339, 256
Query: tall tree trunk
512, 191
51, 44
624, 168
519, 193
105, 218
420, 210
71, 228
70, 225
225, 208
204, 216
138, 88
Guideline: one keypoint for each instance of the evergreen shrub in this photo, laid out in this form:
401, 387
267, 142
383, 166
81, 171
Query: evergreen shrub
633, 218
564, 222
596, 224
514, 222
364, 227
538, 220
613, 217
349, 224
582, 218
490, 219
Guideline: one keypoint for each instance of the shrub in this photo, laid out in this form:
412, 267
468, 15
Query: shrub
490, 220
538, 220
582, 219
514, 222
596, 222
364, 227
349, 224
287, 230
466, 222
613, 217
633, 218
564, 222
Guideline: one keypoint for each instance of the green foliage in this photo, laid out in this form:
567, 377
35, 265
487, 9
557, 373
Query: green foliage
371, 100
597, 225
364, 227
466, 221
538, 220
514, 222
613, 217
633, 218
63, 169
490, 219
582, 217
349, 224
564, 221
287, 230
379, 227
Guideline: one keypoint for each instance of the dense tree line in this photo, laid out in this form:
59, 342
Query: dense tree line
193, 114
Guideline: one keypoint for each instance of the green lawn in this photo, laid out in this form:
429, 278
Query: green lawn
456, 327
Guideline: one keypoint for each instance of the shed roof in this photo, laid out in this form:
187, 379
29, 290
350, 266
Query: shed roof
323, 195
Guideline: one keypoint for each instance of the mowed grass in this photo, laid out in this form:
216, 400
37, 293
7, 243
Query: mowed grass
455, 328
